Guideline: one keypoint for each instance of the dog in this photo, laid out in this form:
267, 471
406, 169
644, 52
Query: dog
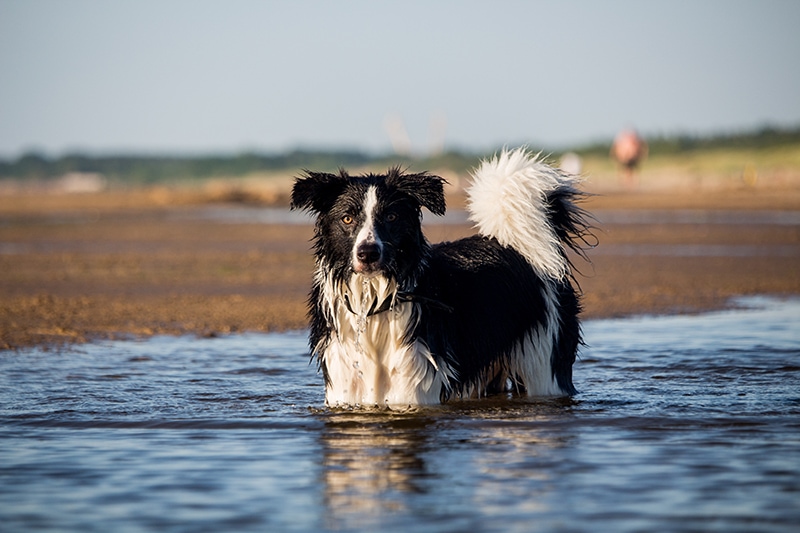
397, 322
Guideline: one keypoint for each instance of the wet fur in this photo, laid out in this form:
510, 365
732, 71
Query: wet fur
396, 321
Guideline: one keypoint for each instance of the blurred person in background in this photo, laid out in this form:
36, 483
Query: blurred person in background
628, 150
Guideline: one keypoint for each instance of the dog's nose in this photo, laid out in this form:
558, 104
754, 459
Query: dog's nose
368, 253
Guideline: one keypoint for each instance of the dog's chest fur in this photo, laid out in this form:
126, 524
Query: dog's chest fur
372, 360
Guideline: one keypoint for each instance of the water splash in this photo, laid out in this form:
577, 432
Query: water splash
363, 313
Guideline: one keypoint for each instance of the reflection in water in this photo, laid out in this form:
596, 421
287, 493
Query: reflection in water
379, 465
369, 461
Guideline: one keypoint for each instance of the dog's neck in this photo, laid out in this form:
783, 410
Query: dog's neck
368, 358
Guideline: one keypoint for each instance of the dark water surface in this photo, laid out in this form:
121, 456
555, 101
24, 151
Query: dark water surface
683, 423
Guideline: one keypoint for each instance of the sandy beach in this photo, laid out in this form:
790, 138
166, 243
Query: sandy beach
77, 268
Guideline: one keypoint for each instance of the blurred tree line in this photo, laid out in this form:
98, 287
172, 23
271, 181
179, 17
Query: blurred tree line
144, 169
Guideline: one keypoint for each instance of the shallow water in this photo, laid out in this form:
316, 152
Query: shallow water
682, 423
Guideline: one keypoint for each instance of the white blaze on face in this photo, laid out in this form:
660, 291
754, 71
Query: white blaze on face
367, 234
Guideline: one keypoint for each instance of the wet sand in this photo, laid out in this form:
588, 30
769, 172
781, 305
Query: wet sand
86, 267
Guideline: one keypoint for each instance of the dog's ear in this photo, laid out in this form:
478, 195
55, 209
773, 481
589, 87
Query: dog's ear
426, 189
317, 191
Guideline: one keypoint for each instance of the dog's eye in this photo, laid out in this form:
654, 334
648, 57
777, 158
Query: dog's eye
347, 219
391, 217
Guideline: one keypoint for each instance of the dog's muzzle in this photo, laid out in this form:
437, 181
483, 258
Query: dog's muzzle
368, 257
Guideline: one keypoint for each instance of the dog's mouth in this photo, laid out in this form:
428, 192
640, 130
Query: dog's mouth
371, 270
369, 273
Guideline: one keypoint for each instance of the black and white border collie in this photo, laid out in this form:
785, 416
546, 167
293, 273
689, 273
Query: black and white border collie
396, 321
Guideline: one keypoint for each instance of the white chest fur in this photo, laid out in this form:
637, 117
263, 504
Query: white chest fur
367, 359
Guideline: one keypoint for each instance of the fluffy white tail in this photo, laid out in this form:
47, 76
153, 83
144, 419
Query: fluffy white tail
510, 200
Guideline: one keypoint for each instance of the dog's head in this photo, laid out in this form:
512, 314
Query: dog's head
371, 224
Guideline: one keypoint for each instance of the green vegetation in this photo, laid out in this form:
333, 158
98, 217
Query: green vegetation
144, 169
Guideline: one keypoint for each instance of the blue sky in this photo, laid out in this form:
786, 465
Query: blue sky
225, 76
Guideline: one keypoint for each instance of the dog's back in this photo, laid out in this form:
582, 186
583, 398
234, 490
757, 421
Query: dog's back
397, 321
499, 319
